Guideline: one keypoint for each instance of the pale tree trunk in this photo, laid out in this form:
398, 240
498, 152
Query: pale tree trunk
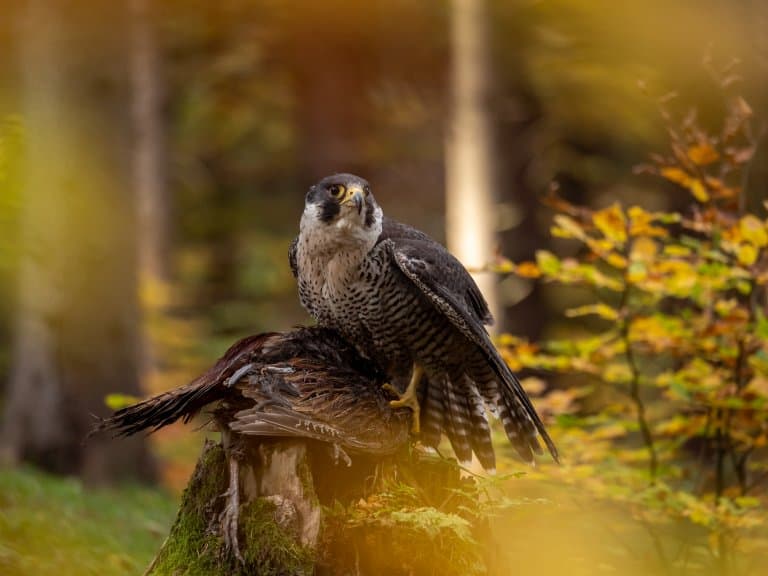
149, 144
148, 167
76, 332
470, 186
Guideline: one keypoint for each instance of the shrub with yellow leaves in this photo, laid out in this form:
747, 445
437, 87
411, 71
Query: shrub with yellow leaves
674, 422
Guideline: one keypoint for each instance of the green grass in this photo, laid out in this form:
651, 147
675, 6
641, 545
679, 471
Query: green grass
57, 526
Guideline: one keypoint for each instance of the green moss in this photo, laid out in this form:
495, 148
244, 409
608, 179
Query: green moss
268, 548
307, 481
410, 540
429, 521
193, 547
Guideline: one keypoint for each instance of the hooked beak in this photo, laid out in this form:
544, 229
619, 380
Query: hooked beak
356, 196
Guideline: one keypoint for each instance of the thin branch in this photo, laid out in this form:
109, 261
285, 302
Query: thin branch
634, 384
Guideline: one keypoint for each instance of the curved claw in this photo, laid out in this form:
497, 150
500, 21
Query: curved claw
409, 398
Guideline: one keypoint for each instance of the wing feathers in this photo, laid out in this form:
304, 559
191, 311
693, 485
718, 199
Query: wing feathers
421, 272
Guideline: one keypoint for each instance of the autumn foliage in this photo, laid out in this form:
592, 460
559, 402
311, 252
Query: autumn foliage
668, 418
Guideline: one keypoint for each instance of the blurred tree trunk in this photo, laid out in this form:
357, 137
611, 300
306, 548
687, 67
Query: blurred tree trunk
76, 333
149, 145
470, 161
149, 176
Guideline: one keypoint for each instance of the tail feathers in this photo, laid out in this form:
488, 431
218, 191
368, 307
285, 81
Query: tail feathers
521, 422
458, 421
162, 410
480, 437
432, 416
521, 433
453, 404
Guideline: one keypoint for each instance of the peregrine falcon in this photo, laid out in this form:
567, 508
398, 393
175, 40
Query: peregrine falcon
407, 304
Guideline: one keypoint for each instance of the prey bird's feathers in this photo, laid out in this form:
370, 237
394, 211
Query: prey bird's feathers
308, 383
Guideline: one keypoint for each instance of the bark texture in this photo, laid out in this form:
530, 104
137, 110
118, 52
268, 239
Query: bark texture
278, 524
299, 513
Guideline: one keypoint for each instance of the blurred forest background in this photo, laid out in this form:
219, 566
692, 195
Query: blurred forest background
154, 157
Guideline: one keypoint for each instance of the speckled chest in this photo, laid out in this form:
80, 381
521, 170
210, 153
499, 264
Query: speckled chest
336, 275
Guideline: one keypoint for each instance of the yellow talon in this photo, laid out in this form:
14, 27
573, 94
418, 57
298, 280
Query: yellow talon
409, 398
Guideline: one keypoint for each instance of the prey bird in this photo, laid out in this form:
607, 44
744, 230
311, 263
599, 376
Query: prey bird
308, 383
407, 304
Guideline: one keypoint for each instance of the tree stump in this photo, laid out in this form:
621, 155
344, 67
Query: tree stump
315, 472
279, 515
300, 513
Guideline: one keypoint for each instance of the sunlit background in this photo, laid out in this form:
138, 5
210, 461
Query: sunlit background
154, 157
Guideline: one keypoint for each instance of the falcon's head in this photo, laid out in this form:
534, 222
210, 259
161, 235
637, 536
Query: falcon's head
344, 202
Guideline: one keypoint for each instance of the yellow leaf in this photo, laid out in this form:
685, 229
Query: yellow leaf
725, 307
698, 190
759, 384
609, 431
612, 223
641, 223
676, 175
120, 401
643, 250
533, 386
702, 154
616, 260
567, 227
617, 372
602, 310
547, 262
694, 185
677, 250
753, 230
747, 254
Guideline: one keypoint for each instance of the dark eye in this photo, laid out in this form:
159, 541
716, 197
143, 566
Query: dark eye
336, 190
367, 189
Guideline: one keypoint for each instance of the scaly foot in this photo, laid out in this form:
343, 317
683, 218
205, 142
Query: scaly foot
409, 398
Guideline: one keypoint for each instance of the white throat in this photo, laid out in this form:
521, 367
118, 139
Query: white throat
330, 255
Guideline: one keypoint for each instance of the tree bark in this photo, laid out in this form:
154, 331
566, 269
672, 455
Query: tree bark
76, 329
298, 513
279, 515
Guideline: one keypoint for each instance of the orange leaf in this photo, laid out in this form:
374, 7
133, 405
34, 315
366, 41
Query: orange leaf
675, 175
527, 270
702, 154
